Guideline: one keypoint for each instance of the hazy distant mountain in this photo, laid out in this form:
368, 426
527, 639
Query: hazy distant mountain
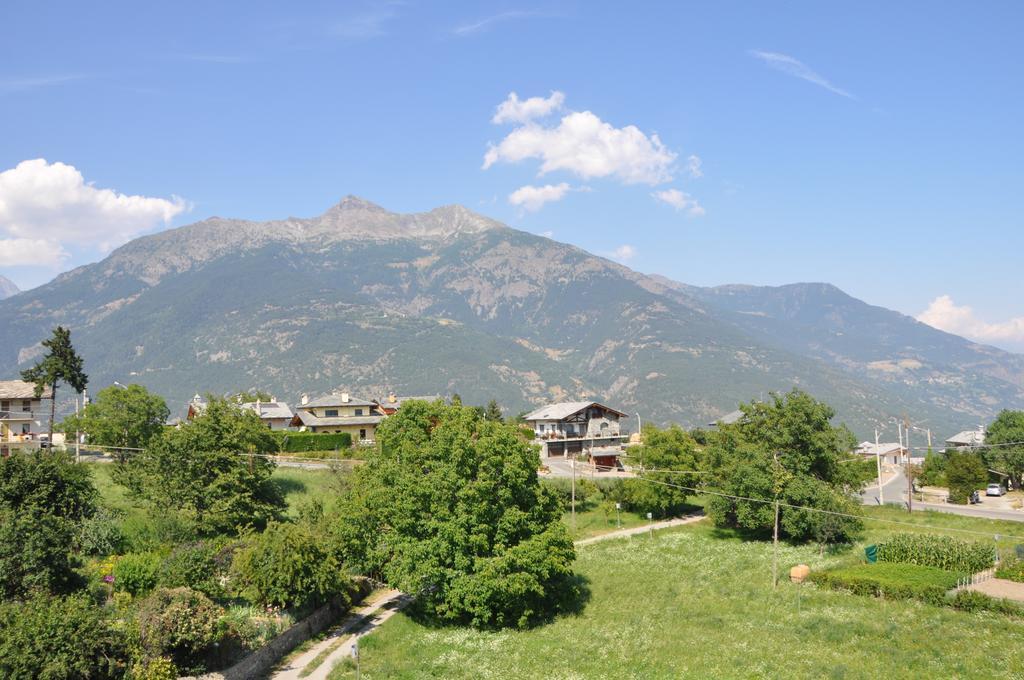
450, 301
7, 287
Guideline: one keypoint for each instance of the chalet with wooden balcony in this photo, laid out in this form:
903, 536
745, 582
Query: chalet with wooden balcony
579, 427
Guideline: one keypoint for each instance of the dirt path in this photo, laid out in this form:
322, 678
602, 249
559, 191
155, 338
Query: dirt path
1000, 587
621, 533
360, 622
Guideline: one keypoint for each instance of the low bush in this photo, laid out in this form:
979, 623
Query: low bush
155, 531
55, 637
895, 581
1011, 570
198, 565
301, 442
136, 573
973, 601
101, 534
587, 492
179, 624
289, 565
942, 552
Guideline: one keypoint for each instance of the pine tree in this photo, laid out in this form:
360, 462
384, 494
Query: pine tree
60, 364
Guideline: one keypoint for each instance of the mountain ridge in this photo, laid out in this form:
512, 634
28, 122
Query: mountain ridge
7, 288
451, 301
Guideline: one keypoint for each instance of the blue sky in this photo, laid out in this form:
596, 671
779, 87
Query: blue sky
876, 146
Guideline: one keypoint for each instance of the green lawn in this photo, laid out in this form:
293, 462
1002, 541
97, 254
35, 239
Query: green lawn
297, 484
695, 602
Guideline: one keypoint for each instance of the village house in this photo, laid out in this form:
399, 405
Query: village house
276, 415
21, 412
889, 452
337, 413
967, 439
579, 427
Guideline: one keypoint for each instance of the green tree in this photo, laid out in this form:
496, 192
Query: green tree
492, 411
450, 509
785, 449
60, 364
965, 473
1006, 432
126, 417
933, 471
666, 454
250, 396
43, 500
206, 471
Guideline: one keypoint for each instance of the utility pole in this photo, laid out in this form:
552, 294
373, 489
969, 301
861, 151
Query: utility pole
878, 464
572, 464
78, 436
910, 479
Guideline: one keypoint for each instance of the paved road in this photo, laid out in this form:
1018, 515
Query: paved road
894, 491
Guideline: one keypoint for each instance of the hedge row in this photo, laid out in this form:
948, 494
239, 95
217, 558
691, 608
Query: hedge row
302, 442
942, 552
894, 581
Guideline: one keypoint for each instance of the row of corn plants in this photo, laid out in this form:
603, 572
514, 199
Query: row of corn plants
942, 552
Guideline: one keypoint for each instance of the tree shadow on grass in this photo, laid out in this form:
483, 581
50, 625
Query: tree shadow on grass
568, 599
288, 486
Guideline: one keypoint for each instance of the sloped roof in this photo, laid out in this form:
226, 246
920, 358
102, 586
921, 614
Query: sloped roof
884, 448
335, 400
565, 409
269, 409
728, 419
967, 438
19, 389
310, 420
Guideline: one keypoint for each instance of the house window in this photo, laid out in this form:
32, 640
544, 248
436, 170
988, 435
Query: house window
25, 428
5, 406
331, 413
359, 411
26, 406
362, 434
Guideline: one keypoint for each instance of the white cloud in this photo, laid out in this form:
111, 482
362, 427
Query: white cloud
796, 68
943, 313
365, 25
516, 110
586, 146
483, 24
680, 200
533, 198
47, 202
625, 252
31, 252
693, 167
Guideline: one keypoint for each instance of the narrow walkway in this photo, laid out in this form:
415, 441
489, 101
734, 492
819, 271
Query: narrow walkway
1000, 587
620, 533
357, 624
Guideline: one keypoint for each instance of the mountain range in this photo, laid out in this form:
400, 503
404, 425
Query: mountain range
371, 301
7, 288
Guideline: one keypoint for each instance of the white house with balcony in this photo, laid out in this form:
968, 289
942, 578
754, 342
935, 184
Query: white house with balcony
576, 427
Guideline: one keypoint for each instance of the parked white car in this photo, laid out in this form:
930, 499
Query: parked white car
995, 490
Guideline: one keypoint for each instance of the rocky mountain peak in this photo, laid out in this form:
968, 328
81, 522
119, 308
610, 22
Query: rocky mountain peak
356, 204
7, 287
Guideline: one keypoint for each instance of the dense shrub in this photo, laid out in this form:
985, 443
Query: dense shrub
136, 573
973, 601
101, 534
54, 637
195, 565
287, 565
301, 442
43, 500
179, 624
586, 491
155, 530
943, 552
896, 581
1011, 570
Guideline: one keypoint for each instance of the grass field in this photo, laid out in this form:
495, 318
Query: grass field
695, 602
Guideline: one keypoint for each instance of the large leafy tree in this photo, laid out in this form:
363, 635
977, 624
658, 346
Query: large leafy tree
965, 474
1006, 433
43, 500
671, 460
450, 509
787, 450
209, 470
121, 416
60, 364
